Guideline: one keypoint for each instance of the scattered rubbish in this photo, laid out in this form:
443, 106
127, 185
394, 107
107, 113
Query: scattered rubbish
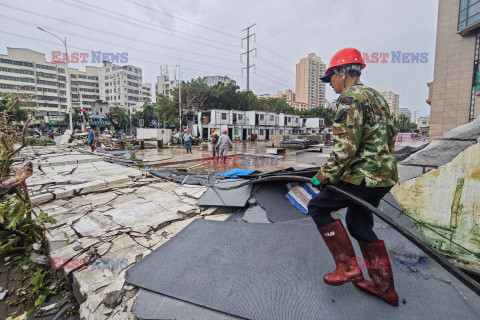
39, 258
235, 173
300, 195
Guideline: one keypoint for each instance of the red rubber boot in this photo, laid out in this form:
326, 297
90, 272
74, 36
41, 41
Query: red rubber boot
380, 270
338, 242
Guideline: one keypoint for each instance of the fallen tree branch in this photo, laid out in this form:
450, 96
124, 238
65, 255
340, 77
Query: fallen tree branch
12, 153
20, 174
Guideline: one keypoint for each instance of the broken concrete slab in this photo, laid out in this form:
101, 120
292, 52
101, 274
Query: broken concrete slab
226, 198
255, 214
94, 224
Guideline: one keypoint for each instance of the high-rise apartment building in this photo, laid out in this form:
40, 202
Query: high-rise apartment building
43, 83
392, 98
120, 86
309, 88
164, 85
455, 92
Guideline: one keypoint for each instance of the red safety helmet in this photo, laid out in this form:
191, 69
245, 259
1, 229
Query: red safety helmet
213, 130
343, 57
188, 130
224, 131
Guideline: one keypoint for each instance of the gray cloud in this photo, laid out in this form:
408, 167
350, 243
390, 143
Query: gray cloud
291, 29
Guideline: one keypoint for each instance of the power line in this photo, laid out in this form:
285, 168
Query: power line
274, 53
275, 65
113, 43
184, 20
279, 79
147, 26
133, 59
236, 18
116, 34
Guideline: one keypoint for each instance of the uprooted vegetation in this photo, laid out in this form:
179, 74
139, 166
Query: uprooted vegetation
22, 225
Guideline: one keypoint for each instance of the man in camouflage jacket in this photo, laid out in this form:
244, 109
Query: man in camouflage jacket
362, 162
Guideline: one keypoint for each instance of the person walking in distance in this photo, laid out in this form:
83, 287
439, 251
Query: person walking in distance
91, 139
362, 162
213, 141
187, 138
222, 145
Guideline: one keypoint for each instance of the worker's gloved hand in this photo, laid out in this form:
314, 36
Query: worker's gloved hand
318, 184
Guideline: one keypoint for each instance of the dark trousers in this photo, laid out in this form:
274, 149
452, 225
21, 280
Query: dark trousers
359, 221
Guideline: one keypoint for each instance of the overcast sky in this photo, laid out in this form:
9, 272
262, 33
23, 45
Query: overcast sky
204, 36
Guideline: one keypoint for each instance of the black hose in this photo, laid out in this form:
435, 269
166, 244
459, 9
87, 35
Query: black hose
456, 272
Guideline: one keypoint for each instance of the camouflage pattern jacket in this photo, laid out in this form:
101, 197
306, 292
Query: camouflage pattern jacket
363, 141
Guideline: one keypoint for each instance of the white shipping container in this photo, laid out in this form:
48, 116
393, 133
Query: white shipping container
160, 134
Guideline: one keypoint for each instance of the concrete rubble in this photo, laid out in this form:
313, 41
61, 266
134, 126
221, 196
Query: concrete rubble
109, 217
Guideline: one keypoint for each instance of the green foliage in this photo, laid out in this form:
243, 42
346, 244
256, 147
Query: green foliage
39, 142
148, 113
129, 148
17, 114
403, 124
118, 117
167, 110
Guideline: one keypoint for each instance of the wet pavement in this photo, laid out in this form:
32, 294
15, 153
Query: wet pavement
244, 155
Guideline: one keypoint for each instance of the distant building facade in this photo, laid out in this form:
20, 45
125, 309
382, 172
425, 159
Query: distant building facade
454, 94
393, 100
43, 84
406, 112
248, 125
147, 92
288, 95
164, 85
309, 88
330, 105
120, 86
423, 125
300, 106
213, 80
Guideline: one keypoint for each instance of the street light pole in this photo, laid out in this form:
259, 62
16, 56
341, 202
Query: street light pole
180, 96
69, 96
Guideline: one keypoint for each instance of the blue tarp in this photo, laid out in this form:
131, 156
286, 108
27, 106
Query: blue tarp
234, 173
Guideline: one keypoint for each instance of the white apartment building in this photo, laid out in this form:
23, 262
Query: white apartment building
392, 98
247, 125
213, 80
147, 92
120, 86
43, 84
164, 85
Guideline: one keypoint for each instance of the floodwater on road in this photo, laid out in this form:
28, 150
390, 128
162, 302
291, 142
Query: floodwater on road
244, 155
